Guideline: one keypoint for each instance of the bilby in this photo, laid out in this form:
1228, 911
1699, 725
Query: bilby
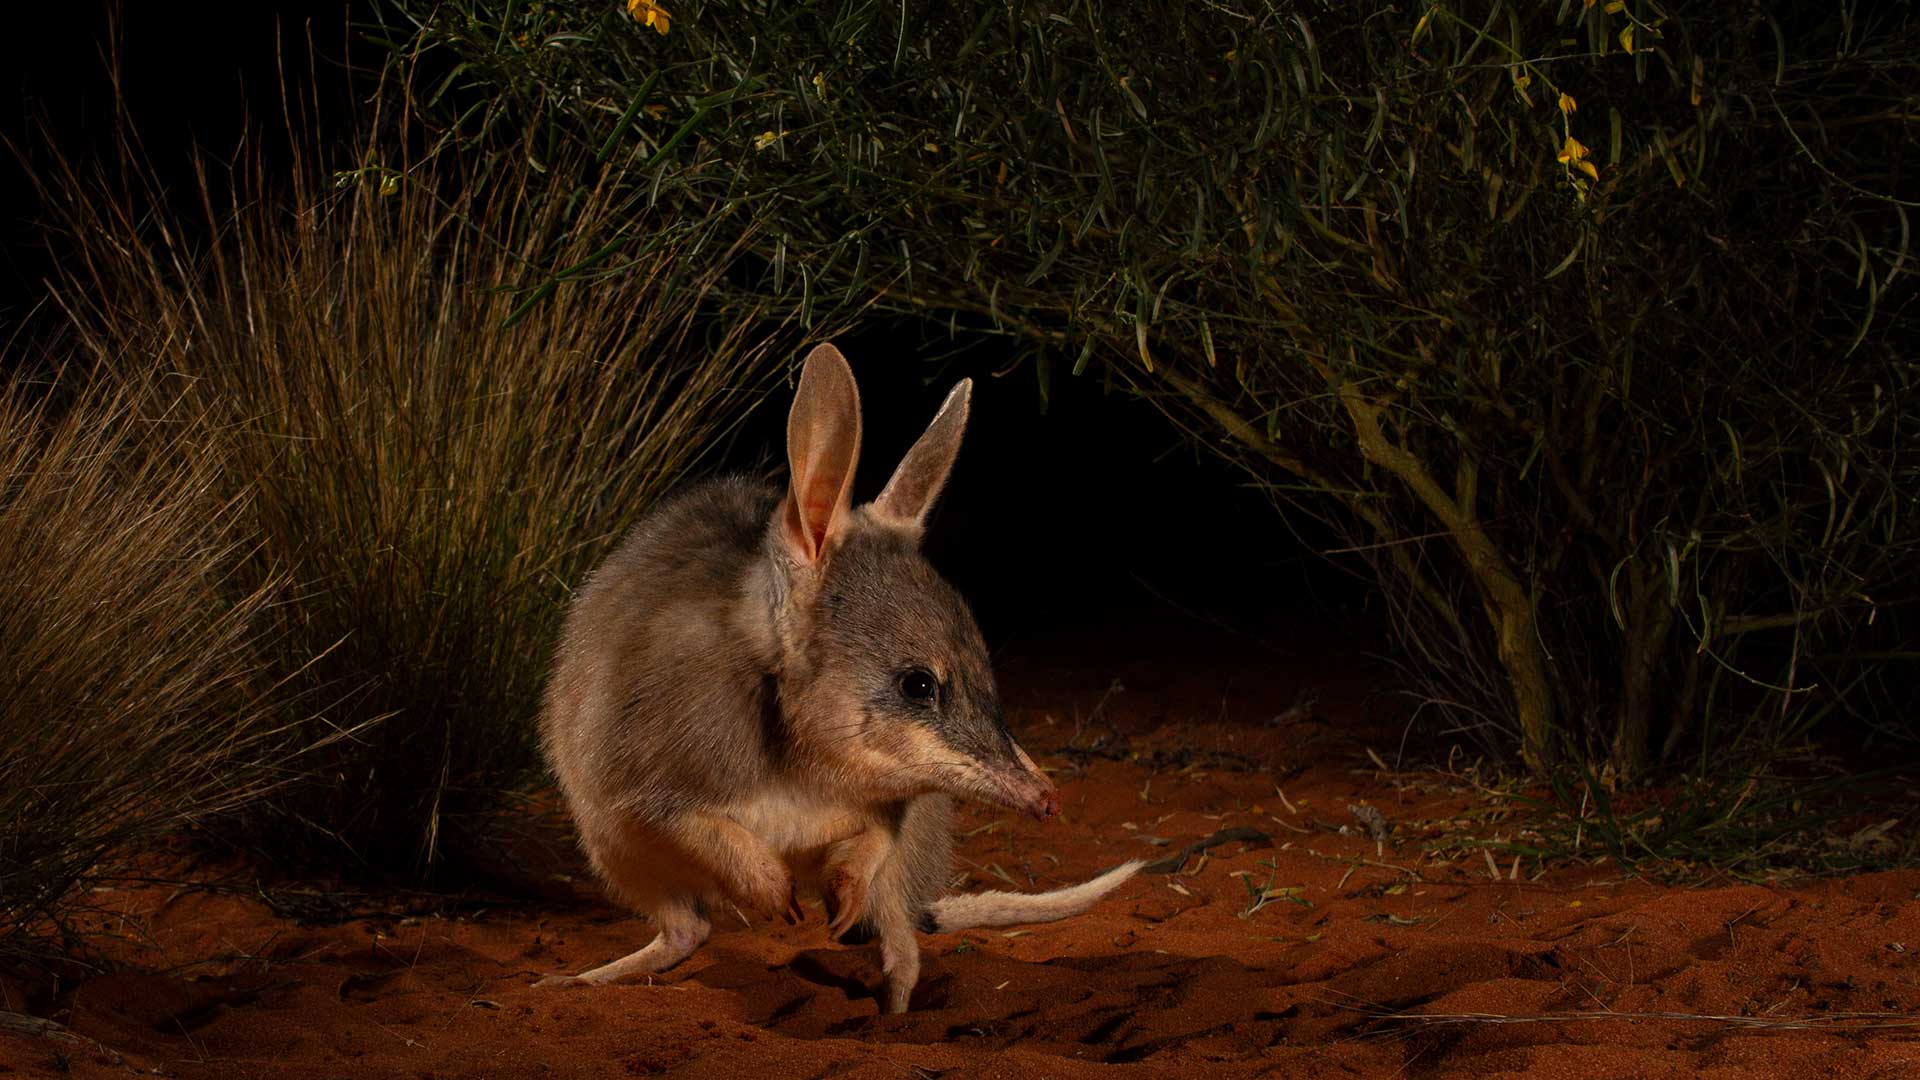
763, 690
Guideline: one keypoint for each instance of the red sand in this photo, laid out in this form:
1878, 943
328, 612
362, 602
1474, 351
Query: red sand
1170, 976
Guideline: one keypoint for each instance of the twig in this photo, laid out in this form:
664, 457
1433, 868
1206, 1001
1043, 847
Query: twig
1172, 863
34, 1027
1871, 1021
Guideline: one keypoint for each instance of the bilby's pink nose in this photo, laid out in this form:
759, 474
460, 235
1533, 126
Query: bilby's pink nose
1045, 805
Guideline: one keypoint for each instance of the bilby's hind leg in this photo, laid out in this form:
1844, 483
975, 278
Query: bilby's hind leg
682, 929
908, 878
899, 948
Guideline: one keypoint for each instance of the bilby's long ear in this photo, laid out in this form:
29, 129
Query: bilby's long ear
917, 482
823, 444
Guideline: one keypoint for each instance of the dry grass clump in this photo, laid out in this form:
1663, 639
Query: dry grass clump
430, 455
132, 698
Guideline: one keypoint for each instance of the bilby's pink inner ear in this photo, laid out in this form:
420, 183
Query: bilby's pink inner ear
909, 495
823, 443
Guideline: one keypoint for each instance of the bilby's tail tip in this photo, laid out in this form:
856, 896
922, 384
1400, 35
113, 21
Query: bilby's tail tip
970, 910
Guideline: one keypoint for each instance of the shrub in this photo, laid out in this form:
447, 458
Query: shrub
429, 458
1587, 323
132, 699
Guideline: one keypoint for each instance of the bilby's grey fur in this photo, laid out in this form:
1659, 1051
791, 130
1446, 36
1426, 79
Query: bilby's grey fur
766, 688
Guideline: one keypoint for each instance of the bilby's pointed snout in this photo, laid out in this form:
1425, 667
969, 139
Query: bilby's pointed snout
1026, 787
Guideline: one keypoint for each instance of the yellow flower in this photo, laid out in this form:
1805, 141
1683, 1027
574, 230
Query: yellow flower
820, 83
1567, 104
1575, 155
765, 139
648, 13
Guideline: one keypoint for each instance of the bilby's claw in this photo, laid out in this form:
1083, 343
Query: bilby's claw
846, 902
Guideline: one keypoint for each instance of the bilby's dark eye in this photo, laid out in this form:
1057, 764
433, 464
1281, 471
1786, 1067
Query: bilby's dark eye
919, 686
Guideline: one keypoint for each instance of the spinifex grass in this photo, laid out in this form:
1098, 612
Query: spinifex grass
133, 697
431, 461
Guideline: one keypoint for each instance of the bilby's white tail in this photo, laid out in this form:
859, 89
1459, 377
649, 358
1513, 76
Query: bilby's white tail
1012, 909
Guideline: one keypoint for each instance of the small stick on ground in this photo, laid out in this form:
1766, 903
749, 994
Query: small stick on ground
34, 1027
1253, 838
1833, 1022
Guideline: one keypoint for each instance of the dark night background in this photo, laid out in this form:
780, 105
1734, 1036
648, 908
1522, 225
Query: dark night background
1093, 511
